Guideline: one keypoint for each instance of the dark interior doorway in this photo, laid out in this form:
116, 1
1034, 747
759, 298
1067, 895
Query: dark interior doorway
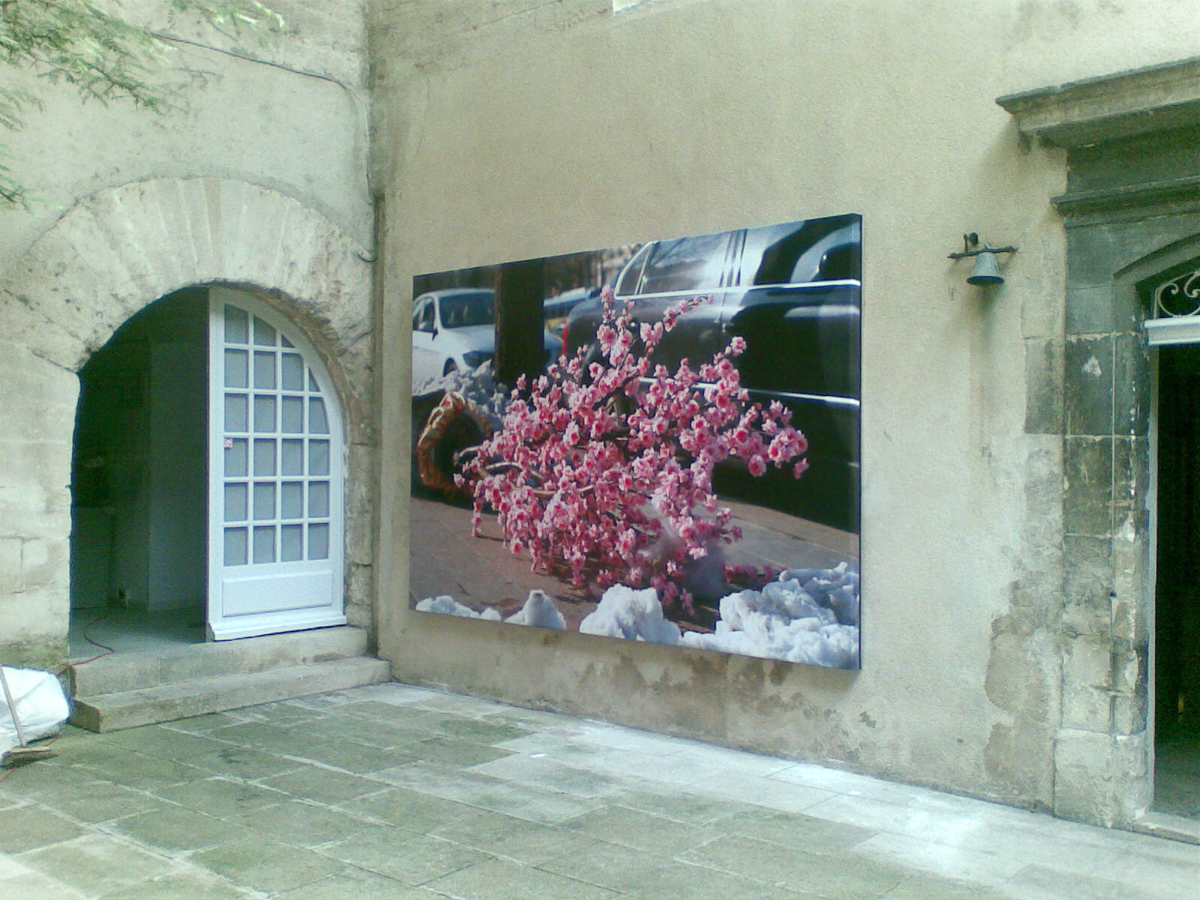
1177, 604
139, 483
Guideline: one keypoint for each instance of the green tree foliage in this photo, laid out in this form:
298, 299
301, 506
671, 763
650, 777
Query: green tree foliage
87, 45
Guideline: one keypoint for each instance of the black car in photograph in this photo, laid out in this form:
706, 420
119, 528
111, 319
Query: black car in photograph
792, 292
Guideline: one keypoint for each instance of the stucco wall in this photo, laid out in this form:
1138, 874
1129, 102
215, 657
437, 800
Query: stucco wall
258, 176
292, 116
509, 130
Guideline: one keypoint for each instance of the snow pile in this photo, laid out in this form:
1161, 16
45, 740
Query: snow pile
788, 620
633, 615
835, 589
478, 386
539, 611
447, 605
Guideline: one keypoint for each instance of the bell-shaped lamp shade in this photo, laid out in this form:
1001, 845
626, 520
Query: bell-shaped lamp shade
986, 271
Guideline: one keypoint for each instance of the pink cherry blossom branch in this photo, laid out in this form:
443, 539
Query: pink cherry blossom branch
570, 474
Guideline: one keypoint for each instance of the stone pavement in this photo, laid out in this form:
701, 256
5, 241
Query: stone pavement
401, 792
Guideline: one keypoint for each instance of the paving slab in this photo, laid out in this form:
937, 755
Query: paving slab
402, 792
175, 828
266, 865
843, 877
224, 798
411, 859
192, 886
29, 827
653, 876
101, 801
408, 809
640, 831
356, 885
323, 784
98, 863
498, 878
516, 839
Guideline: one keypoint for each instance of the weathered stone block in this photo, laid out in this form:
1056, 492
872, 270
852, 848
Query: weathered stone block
1042, 531
1089, 309
38, 397
1133, 591
11, 575
44, 563
1149, 157
1016, 759
1087, 584
1131, 384
360, 587
1129, 666
1090, 255
1087, 683
1101, 779
1087, 505
1131, 766
1083, 776
1130, 713
1044, 386
1131, 483
1088, 394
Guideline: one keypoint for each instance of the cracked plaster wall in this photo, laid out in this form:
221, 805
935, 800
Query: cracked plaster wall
512, 129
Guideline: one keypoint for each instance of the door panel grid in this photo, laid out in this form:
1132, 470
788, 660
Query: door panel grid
275, 496
276, 485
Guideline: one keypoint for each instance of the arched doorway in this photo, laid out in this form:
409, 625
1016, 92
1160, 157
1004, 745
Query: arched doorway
207, 478
138, 477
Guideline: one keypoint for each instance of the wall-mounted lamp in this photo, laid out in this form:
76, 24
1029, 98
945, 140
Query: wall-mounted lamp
987, 269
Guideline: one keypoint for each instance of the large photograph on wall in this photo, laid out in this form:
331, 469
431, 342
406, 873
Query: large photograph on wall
655, 442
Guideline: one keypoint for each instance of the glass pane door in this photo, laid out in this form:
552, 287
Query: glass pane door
275, 492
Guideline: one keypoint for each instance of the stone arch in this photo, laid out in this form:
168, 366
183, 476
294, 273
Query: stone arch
108, 257
120, 249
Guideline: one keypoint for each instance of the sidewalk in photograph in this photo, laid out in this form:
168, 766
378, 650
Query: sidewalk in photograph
393, 791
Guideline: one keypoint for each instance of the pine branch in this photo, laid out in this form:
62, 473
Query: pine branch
102, 56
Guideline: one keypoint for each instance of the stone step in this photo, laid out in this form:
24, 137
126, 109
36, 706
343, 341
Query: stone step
190, 662
218, 693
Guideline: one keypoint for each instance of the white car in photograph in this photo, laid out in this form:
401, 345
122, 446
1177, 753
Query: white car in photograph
454, 330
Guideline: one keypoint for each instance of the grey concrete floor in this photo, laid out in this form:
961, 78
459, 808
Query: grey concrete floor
394, 791
131, 630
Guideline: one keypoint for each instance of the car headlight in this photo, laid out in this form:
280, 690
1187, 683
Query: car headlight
476, 358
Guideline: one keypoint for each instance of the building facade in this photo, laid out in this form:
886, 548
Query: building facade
251, 188
1019, 455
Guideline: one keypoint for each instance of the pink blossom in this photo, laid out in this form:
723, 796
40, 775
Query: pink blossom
570, 477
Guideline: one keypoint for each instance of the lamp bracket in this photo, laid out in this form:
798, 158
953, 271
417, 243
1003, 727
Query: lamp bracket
972, 240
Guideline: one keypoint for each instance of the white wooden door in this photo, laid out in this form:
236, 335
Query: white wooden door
275, 476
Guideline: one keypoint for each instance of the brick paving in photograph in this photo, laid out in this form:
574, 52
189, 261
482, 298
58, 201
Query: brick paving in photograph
480, 572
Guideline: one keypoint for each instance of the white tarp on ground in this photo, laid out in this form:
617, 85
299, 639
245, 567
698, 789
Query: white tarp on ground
41, 706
